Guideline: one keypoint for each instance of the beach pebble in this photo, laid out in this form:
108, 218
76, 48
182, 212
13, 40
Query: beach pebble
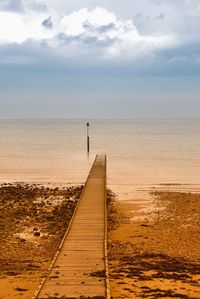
35, 229
71, 199
36, 233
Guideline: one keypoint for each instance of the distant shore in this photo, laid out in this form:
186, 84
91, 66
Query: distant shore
154, 247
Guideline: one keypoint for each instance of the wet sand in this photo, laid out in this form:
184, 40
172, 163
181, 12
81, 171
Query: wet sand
154, 246
33, 220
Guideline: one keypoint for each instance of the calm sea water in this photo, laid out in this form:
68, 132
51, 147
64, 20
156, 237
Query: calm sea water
140, 154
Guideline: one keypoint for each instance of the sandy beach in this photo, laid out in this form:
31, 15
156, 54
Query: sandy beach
154, 247
33, 220
153, 243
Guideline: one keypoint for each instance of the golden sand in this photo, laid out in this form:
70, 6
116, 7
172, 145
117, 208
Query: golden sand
154, 248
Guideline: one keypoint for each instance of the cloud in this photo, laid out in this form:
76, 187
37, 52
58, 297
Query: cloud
97, 33
73, 23
13, 5
161, 16
38, 6
193, 4
12, 28
97, 37
48, 23
23, 6
94, 29
18, 28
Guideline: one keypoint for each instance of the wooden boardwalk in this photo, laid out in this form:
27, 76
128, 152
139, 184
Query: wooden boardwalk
80, 265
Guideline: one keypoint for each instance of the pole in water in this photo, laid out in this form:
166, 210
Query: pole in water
88, 137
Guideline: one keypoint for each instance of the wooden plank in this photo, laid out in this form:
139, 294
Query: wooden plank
81, 261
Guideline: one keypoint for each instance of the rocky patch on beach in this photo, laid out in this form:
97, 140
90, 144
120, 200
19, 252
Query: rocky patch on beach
33, 220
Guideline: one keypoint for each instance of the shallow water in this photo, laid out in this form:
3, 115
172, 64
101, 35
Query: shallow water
141, 154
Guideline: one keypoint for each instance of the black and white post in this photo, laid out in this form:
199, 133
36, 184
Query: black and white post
88, 137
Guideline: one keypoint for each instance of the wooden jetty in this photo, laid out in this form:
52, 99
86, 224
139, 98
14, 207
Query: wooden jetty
79, 269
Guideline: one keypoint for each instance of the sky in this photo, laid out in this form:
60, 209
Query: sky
100, 59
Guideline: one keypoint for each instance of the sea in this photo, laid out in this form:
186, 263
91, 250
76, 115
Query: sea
142, 155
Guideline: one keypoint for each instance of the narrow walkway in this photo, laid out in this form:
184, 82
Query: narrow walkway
80, 265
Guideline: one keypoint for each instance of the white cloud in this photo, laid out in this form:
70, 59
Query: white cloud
193, 4
96, 29
97, 33
74, 23
155, 36
18, 28
12, 28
